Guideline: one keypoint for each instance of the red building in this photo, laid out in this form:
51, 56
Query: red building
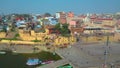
53, 31
70, 14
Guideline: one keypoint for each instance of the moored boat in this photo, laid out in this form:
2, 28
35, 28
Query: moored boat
33, 61
2, 52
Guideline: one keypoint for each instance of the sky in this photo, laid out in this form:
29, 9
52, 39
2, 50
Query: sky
52, 6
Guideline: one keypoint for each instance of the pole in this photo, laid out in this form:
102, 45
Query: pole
106, 52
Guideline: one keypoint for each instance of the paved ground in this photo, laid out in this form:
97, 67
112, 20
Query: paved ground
91, 55
78, 58
97, 50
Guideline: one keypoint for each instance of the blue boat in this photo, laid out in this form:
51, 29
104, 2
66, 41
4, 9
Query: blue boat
2, 52
33, 61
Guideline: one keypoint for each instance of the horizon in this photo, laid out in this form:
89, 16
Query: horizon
47, 6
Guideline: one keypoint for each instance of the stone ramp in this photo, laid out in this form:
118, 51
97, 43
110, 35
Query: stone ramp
55, 64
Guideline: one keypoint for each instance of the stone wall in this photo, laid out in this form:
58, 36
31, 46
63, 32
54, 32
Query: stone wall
2, 34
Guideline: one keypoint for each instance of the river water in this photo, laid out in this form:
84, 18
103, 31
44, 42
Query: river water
15, 60
10, 60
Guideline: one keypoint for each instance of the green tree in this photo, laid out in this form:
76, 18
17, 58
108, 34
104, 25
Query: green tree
57, 26
47, 15
63, 28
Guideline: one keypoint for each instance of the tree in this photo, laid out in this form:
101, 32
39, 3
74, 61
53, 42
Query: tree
47, 15
63, 28
57, 26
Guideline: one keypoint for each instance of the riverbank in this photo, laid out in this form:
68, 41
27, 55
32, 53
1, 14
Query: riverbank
11, 60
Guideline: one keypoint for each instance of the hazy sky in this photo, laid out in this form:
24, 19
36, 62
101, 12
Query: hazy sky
52, 6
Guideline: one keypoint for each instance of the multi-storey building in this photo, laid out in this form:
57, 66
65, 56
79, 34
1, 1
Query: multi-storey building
61, 17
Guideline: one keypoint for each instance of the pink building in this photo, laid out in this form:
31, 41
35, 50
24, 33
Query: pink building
72, 23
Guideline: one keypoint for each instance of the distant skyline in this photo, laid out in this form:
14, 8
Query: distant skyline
52, 6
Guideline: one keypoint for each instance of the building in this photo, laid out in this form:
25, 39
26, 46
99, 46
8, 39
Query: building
61, 17
70, 14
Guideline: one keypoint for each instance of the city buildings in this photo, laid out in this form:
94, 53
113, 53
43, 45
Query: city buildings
83, 24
